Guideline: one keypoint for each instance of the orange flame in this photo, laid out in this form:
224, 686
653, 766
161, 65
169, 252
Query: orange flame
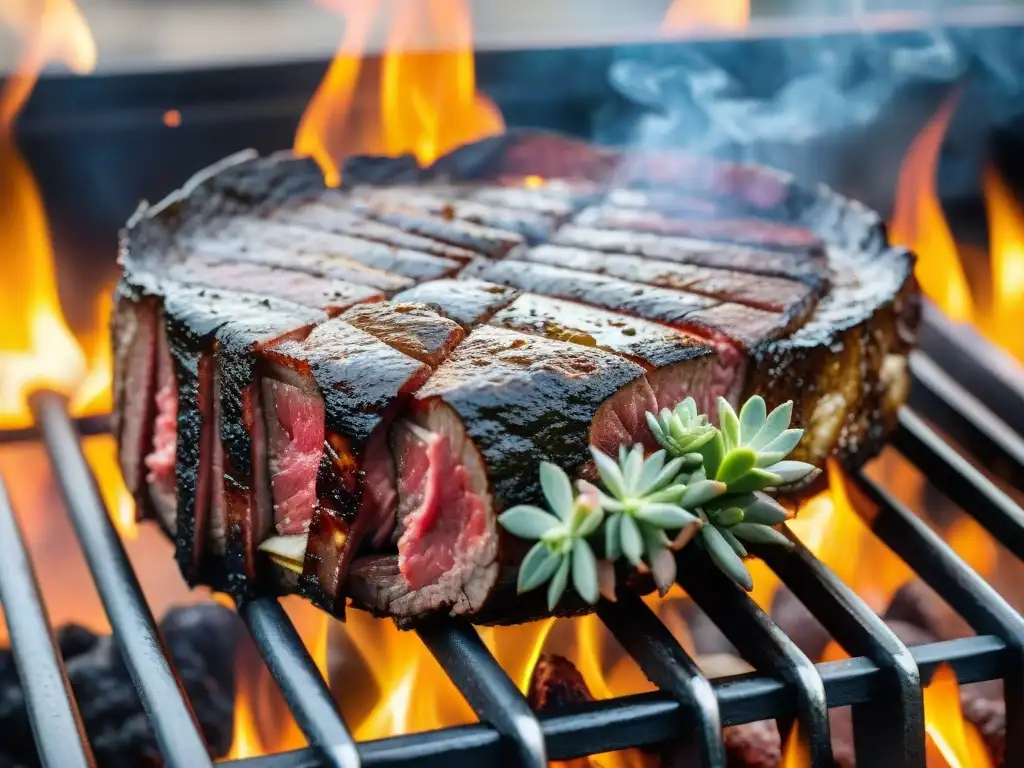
795, 753
952, 741
919, 223
685, 15
427, 102
1006, 247
38, 349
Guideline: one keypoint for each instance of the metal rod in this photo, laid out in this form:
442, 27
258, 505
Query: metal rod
489, 691
53, 712
649, 718
86, 425
761, 643
670, 668
131, 621
963, 589
967, 420
889, 731
301, 683
952, 474
976, 364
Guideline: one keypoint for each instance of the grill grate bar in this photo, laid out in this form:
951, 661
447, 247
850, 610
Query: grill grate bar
967, 420
965, 591
650, 718
130, 618
975, 364
889, 731
300, 681
952, 474
760, 641
672, 670
488, 689
48, 696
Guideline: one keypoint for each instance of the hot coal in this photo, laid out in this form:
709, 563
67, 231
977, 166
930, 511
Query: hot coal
201, 640
918, 604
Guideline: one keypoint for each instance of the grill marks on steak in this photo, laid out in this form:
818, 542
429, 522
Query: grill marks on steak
791, 298
467, 301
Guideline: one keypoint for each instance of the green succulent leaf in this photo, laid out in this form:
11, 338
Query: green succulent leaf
713, 451
557, 489
558, 582
776, 423
527, 522
610, 473
755, 480
631, 540
584, 571
612, 540
728, 423
756, 533
631, 471
665, 516
762, 509
723, 518
733, 542
671, 495
752, 418
725, 558
650, 470
701, 492
735, 465
539, 565
791, 471
784, 443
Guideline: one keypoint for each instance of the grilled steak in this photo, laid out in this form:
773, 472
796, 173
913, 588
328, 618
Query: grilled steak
336, 392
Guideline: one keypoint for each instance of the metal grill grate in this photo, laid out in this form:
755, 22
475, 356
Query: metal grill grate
882, 681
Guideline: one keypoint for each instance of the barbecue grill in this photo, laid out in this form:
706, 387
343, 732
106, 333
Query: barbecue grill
882, 681
961, 391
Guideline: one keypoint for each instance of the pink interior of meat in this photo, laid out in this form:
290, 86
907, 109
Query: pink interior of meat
380, 495
160, 461
295, 442
434, 480
621, 421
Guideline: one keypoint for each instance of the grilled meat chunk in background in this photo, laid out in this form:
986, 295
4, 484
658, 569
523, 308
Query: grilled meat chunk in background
336, 392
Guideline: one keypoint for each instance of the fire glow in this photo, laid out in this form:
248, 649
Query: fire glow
424, 101
919, 223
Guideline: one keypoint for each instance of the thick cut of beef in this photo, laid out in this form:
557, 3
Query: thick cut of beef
545, 295
330, 398
470, 446
678, 365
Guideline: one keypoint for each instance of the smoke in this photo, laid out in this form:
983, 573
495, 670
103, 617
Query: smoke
839, 108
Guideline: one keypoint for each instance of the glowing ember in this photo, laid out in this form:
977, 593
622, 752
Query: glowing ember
172, 118
426, 104
952, 741
684, 15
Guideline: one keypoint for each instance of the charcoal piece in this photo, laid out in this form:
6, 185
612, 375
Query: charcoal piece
753, 745
707, 638
918, 604
556, 684
799, 623
989, 717
201, 640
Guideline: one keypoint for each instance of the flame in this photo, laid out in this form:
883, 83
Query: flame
427, 102
1006, 249
919, 223
795, 753
39, 350
952, 741
245, 740
684, 15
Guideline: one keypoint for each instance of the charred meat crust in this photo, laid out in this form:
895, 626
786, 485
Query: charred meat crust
524, 399
467, 301
870, 337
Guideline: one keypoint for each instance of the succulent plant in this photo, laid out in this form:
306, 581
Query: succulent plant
731, 520
562, 549
682, 432
748, 451
644, 500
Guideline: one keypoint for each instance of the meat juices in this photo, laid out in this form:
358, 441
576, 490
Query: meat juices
336, 392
